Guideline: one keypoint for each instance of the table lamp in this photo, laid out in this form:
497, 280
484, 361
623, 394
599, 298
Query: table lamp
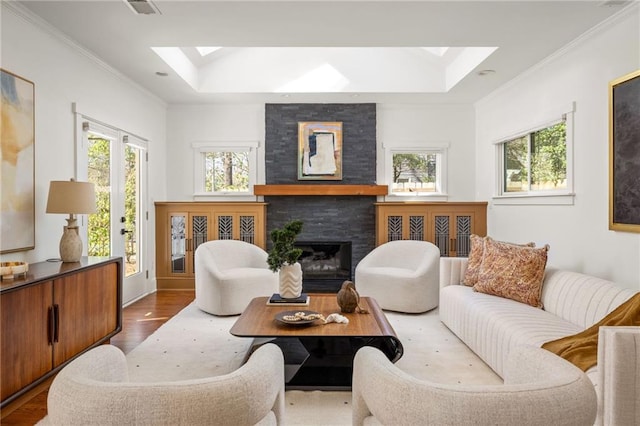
71, 197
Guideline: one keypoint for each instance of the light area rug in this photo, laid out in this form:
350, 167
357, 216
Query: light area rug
195, 344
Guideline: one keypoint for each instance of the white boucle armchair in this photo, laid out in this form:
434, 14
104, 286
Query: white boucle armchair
229, 273
94, 389
401, 275
539, 389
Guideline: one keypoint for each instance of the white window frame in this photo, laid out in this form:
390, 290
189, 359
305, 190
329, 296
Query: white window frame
440, 149
202, 148
562, 196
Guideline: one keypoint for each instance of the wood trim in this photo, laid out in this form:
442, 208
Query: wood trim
366, 190
190, 205
432, 203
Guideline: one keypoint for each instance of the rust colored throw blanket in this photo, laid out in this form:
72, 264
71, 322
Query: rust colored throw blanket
582, 349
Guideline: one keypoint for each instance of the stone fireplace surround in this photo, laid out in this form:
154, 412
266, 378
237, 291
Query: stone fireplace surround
326, 218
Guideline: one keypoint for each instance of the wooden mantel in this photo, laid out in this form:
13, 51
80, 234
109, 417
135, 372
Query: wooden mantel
321, 189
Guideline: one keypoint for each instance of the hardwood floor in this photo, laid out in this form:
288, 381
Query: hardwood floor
139, 320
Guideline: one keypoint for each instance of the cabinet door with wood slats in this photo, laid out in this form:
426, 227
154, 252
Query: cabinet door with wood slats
86, 305
26, 352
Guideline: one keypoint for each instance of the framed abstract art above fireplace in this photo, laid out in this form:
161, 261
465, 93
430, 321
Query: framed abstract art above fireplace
17, 211
320, 150
624, 153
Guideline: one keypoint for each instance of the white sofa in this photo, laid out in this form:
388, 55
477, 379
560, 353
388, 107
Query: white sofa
492, 326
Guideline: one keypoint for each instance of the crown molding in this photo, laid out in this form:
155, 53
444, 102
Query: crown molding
634, 7
35, 20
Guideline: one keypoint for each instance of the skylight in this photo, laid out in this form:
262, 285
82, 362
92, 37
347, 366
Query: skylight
438, 51
324, 69
324, 79
204, 51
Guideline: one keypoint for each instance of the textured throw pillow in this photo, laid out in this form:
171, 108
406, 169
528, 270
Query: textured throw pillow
475, 258
513, 272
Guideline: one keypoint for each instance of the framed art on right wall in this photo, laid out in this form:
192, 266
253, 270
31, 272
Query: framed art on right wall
624, 153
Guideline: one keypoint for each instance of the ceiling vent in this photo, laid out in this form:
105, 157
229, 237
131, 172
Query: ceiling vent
142, 7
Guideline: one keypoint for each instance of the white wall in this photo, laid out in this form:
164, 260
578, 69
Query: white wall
186, 124
63, 75
578, 234
398, 125
408, 125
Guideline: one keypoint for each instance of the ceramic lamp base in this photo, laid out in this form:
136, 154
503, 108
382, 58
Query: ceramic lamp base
70, 245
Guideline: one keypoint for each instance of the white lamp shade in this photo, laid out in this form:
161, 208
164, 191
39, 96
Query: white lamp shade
71, 197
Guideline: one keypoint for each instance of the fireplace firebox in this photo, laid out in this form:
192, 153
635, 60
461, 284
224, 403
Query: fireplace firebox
325, 265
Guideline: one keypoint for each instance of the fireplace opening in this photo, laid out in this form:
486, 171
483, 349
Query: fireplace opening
325, 265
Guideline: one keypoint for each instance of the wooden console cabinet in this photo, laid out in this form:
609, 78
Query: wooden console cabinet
58, 311
448, 225
182, 226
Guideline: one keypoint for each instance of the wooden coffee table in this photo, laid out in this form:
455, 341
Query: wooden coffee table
317, 355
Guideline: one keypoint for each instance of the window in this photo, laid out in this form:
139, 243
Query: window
416, 172
537, 163
221, 169
226, 171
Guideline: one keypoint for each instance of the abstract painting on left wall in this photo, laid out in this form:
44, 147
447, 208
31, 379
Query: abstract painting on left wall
17, 155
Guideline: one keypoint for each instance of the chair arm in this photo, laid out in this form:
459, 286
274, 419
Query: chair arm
205, 263
619, 375
242, 397
382, 390
105, 363
452, 270
531, 364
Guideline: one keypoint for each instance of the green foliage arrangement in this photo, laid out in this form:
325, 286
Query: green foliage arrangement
284, 250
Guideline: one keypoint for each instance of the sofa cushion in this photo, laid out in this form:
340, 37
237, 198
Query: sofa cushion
475, 258
579, 298
511, 271
491, 325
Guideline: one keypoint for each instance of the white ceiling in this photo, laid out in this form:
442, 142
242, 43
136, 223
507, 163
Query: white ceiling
524, 32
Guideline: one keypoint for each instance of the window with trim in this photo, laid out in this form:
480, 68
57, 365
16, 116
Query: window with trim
221, 169
416, 172
537, 163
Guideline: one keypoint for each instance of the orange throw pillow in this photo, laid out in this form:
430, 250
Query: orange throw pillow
513, 272
475, 258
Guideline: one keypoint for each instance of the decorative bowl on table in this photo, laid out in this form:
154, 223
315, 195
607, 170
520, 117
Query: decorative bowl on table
298, 317
8, 270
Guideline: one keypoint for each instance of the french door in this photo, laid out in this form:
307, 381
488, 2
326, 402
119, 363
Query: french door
116, 164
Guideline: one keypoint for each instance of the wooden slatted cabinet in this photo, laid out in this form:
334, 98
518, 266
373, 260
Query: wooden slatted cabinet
182, 226
448, 225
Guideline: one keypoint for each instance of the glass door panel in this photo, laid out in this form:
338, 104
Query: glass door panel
463, 236
178, 243
99, 173
131, 210
441, 227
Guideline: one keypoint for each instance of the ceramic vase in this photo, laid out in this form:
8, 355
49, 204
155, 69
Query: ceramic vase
348, 297
291, 281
